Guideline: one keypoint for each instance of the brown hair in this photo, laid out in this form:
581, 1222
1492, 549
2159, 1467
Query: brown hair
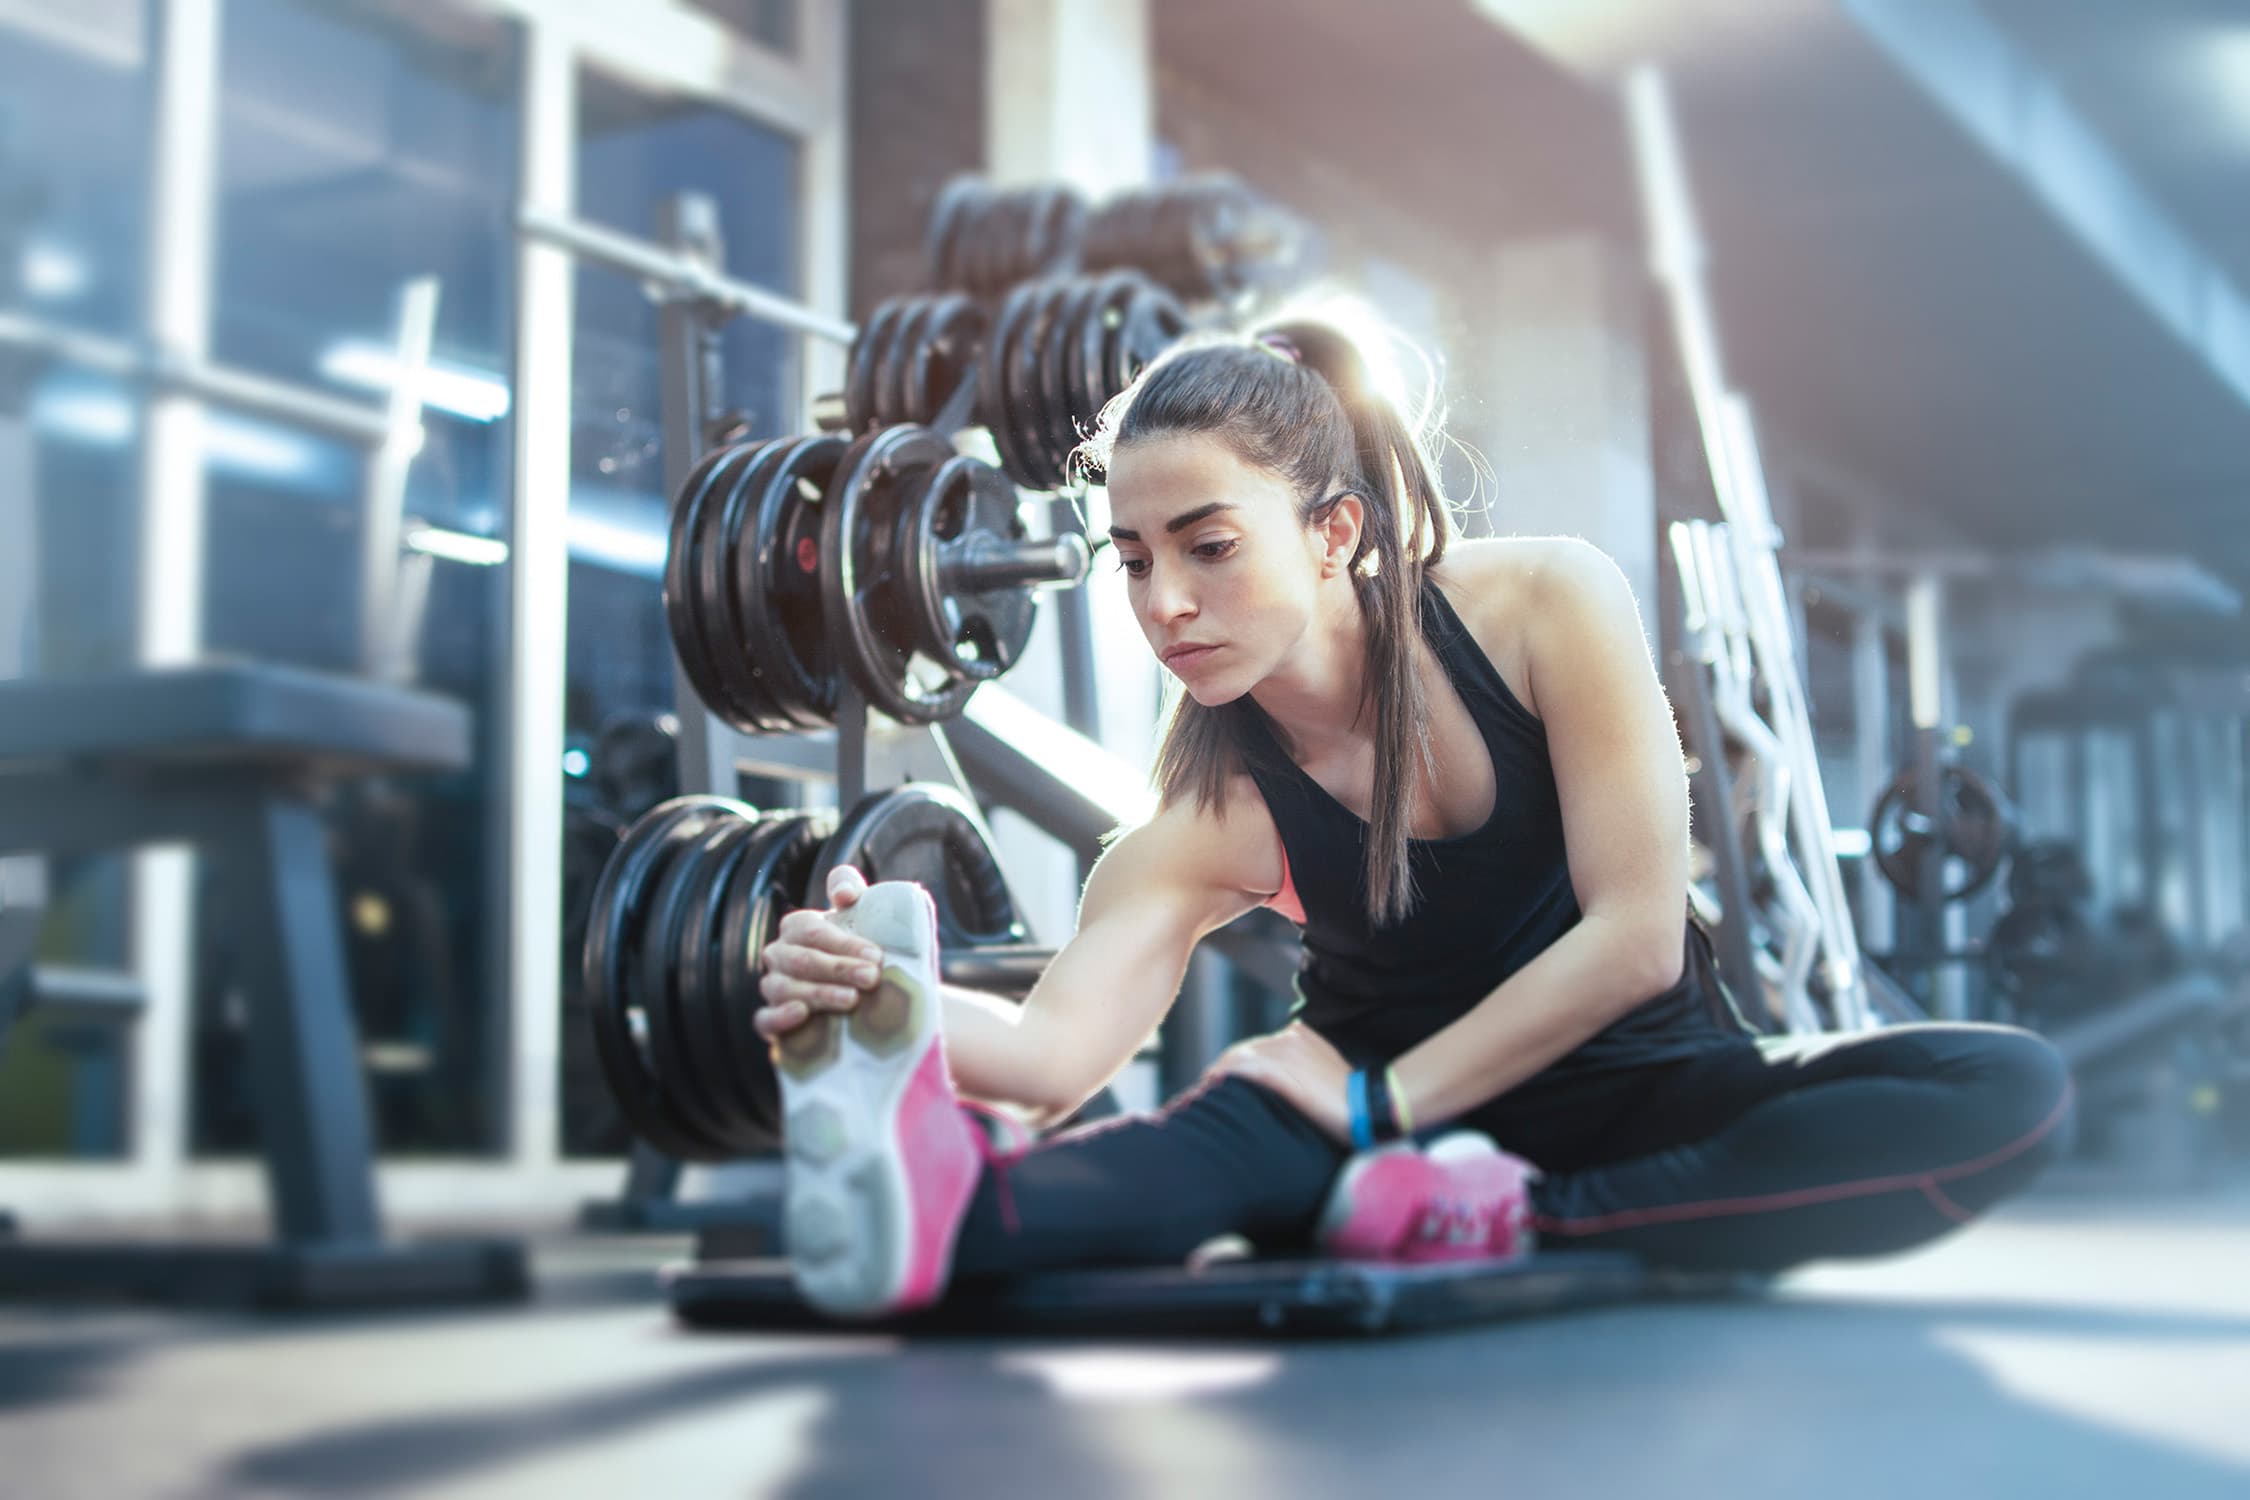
1298, 398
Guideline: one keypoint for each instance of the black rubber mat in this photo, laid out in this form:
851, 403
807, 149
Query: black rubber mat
1289, 1297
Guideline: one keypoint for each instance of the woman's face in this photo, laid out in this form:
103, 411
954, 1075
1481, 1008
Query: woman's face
1223, 575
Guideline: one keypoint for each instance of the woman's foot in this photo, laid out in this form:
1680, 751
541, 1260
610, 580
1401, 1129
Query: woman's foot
1377, 1200
881, 1159
1462, 1198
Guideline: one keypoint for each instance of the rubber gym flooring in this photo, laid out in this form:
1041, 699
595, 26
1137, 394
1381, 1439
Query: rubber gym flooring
2079, 1343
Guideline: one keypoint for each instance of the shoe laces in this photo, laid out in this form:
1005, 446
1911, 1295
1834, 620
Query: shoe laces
1450, 1220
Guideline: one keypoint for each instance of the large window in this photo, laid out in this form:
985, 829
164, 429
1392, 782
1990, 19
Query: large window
354, 154
357, 148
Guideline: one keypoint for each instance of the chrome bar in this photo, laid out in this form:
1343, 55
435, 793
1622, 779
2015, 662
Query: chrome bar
679, 275
174, 372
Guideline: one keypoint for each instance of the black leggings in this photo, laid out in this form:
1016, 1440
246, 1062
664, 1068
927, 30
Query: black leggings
1756, 1155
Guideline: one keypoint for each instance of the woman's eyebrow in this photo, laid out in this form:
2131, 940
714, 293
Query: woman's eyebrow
1180, 522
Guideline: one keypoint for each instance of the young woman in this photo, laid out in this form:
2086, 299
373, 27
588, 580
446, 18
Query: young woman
1455, 767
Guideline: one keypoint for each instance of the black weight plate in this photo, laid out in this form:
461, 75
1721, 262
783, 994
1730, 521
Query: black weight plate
614, 934
1119, 326
1070, 235
740, 700
703, 992
656, 977
892, 404
933, 836
1097, 333
939, 253
968, 241
777, 584
770, 884
973, 241
1047, 372
1043, 231
1105, 244
1153, 323
679, 556
852, 565
934, 513
1166, 322
1138, 227
993, 403
1013, 243
1035, 245
1026, 398
978, 633
985, 272
729, 643
862, 383
1073, 405
935, 363
1093, 241
1005, 417
1082, 356
861, 588
1023, 237
1975, 826
1175, 215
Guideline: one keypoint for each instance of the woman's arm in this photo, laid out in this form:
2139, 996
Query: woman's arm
1151, 898
1623, 788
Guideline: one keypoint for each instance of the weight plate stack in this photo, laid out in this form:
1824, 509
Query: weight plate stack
691, 896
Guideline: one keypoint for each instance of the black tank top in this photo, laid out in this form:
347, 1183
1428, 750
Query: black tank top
1486, 902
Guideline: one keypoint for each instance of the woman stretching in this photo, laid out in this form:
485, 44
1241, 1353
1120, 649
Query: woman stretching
1454, 766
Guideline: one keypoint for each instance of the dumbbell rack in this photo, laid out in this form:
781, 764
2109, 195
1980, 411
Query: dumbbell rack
861, 752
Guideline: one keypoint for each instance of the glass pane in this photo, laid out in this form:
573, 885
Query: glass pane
636, 152
72, 228
72, 199
356, 152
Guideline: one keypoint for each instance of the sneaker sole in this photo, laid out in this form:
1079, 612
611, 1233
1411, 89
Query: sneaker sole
847, 1213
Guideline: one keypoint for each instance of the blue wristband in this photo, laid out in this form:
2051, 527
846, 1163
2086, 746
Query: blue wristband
1355, 1096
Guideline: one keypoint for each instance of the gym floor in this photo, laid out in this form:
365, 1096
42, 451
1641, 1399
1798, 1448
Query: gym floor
2081, 1342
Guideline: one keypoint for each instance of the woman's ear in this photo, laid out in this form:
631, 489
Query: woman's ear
1338, 530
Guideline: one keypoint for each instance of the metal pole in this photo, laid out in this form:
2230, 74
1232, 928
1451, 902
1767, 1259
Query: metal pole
539, 614
183, 126
679, 275
174, 371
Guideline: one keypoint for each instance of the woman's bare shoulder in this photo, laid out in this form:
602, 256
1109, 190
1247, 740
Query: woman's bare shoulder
1499, 585
1498, 571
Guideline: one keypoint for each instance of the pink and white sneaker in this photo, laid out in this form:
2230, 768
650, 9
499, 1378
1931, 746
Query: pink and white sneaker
1377, 1201
1463, 1198
881, 1159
